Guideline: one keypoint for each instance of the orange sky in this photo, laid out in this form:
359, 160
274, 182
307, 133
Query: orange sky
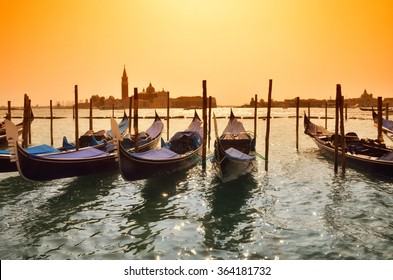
306, 47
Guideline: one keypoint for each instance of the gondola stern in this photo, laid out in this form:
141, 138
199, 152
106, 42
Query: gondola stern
116, 138
232, 116
16, 151
125, 117
196, 116
156, 116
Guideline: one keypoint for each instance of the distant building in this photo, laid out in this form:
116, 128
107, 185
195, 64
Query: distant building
366, 100
190, 102
124, 86
150, 98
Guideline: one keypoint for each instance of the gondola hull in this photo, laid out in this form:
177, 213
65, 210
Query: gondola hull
374, 159
180, 153
230, 168
86, 161
232, 152
36, 168
41, 168
133, 168
6, 165
369, 164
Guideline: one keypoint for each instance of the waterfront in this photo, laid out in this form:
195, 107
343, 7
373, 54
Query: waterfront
299, 209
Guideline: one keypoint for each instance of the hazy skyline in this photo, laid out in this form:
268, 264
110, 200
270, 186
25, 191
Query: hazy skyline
305, 46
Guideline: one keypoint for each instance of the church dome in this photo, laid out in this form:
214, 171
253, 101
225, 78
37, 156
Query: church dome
150, 89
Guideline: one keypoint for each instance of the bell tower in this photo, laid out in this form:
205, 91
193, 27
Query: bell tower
124, 85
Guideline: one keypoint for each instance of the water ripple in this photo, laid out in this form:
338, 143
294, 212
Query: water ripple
299, 209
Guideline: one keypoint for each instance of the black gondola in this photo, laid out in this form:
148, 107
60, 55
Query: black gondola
68, 164
363, 154
3, 136
234, 151
180, 153
6, 165
98, 139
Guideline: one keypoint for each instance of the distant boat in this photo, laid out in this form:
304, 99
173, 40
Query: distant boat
365, 108
51, 166
234, 151
371, 109
362, 154
180, 153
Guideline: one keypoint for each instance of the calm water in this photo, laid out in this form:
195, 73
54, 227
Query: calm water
297, 210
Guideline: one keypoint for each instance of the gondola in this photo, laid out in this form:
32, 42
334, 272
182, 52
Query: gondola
372, 109
363, 154
387, 125
85, 161
3, 137
234, 151
98, 139
180, 153
6, 165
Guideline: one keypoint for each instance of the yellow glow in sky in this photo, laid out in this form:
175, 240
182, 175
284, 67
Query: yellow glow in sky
306, 47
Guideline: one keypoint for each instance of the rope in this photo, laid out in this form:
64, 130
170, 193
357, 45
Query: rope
260, 156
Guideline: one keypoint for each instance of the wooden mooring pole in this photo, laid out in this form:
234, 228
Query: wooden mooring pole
51, 122
339, 125
168, 105
9, 111
76, 119
297, 122
380, 137
255, 118
29, 120
204, 116
269, 105
130, 115
342, 133
326, 105
91, 115
26, 119
338, 100
210, 123
136, 119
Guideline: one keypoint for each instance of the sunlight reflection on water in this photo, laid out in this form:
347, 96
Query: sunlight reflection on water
299, 209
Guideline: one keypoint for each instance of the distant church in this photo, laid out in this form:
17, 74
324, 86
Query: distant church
147, 99
150, 98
